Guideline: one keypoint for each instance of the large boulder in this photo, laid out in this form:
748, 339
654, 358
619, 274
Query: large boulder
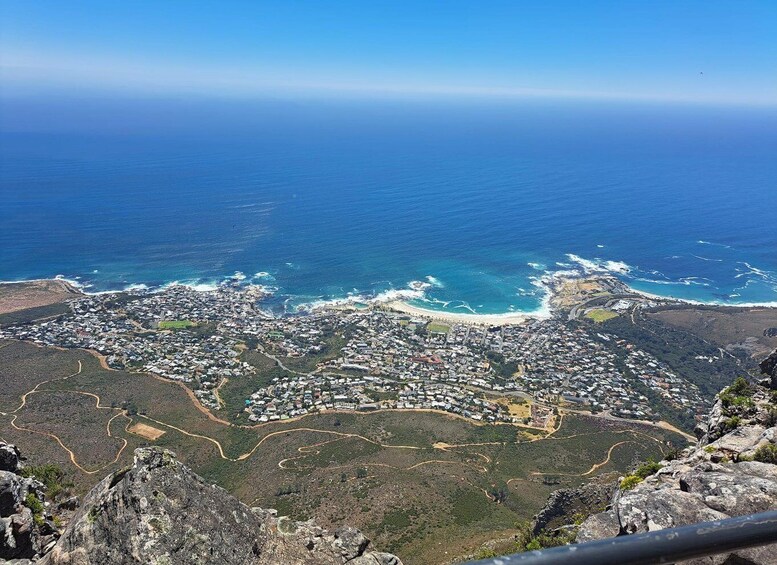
159, 511
10, 458
769, 368
564, 504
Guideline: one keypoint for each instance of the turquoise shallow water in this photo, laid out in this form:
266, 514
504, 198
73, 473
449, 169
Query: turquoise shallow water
324, 200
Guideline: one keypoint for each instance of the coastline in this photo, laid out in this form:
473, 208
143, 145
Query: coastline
505, 319
562, 290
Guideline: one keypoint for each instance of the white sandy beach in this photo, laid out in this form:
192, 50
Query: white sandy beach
450, 317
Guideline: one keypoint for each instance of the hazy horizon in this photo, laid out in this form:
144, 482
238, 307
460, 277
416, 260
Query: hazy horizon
693, 52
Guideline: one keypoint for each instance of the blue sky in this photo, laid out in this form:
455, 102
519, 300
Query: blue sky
649, 50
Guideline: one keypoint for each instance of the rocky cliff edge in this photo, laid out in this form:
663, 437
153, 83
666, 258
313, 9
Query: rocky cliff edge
159, 511
731, 471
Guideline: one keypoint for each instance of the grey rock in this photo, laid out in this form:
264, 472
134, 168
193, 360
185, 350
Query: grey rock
769, 368
564, 503
70, 504
10, 458
10, 493
732, 491
599, 526
159, 511
376, 558
20, 537
694, 489
351, 541
740, 440
647, 510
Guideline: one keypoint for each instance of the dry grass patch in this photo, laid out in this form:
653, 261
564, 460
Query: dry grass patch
146, 431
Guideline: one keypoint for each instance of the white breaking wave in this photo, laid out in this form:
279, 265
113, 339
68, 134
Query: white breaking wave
702, 242
415, 291
195, 285
466, 306
599, 266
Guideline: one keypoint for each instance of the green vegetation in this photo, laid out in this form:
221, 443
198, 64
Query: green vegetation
469, 506
36, 507
766, 454
176, 324
600, 315
679, 349
396, 520
333, 343
52, 476
648, 468
731, 423
485, 553
93, 514
526, 541
437, 328
740, 387
32, 314
641, 473
379, 396
629, 482
235, 392
505, 369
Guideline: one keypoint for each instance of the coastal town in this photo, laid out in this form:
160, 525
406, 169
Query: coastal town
366, 358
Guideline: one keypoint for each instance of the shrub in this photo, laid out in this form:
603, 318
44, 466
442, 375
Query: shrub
630, 481
731, 423
766, 453
52, 477
36, 507
546, 539
485, 553
31, 501
646, 469
740, 387
673, 454
533, 545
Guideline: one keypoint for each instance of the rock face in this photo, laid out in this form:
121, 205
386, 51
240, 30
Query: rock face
563, 504
159, 511
715, 479
769, 368
23, 535
10, 458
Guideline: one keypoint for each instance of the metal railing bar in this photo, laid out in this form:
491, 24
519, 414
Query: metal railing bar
658, 547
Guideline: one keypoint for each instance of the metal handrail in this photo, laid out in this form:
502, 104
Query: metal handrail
661, 546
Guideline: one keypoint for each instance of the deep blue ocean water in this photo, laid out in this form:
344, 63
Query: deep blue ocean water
323, 200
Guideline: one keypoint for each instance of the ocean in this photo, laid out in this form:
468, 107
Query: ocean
460, 206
